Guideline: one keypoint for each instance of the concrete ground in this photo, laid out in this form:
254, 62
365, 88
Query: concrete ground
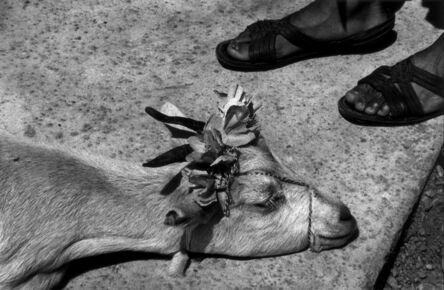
419, 263
81, 73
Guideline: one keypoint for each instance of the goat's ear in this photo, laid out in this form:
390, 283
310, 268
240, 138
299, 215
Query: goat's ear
187, 212
177, 154
286, 170
176, 217
179, 133
172, 185
191, 124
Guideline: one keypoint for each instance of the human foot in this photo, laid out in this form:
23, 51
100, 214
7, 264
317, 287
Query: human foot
402, 94
321, 20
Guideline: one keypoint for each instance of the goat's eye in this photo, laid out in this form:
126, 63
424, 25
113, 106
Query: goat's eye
261, 205
272, 203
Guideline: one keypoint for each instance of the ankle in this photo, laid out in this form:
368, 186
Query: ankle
392, 6
360, 14
367, 13
432, 58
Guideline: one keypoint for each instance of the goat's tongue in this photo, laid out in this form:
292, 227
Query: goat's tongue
315, 243
178, 264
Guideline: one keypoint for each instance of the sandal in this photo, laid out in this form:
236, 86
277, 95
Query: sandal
262, 49
395, 84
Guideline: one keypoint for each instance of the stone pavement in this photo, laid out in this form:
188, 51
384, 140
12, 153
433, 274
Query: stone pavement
81, 73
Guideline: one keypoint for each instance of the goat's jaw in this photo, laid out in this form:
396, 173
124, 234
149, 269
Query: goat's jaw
234, 245
320, 243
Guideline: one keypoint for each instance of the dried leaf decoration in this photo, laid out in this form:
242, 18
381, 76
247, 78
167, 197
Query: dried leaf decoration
239, 124
215, 147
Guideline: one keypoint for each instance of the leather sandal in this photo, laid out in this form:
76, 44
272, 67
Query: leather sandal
262, 50
395, 85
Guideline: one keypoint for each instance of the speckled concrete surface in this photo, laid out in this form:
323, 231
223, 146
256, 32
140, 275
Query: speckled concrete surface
81, 73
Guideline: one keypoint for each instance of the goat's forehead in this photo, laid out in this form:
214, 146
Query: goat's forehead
253, 158
258, 180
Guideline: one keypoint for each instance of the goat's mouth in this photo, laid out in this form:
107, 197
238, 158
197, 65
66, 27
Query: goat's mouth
321, 242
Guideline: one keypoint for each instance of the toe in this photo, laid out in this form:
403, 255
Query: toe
244, 37
360, 102
358, 96
384, 110
366, 99
352, 96
238, 50
374, 102
360, 105
371, 108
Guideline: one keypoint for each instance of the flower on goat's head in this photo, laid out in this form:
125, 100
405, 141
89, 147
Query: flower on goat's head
236, 125
214, 146
239, 124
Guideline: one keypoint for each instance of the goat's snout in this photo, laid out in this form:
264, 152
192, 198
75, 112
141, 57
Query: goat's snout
344, 213
333, 225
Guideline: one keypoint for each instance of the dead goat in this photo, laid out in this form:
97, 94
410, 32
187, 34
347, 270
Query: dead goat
223, 192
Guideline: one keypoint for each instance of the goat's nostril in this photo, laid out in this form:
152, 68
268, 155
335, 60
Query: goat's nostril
344, 213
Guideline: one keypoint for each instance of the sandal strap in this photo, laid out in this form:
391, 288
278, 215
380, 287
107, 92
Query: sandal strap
261, 27
366, 36
282, 27
263, 49
429, 81
293, 35
395, 85
380, 81
263, 44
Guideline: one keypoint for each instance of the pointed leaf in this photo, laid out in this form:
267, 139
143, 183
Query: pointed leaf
177, 154
234, 117
223, 159
197, 144
172, 184
239, 140
186, 122
194, 157
213, 140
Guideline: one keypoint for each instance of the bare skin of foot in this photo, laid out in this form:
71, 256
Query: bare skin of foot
366, 99
322, 20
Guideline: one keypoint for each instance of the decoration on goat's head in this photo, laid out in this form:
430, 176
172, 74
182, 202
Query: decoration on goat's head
239, 123
212, 148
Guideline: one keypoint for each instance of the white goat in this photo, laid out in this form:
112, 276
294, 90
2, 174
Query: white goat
57, 205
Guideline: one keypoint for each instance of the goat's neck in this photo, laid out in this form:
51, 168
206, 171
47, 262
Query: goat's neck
129, 214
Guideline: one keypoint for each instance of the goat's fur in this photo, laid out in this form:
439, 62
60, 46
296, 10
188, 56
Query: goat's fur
57, 206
